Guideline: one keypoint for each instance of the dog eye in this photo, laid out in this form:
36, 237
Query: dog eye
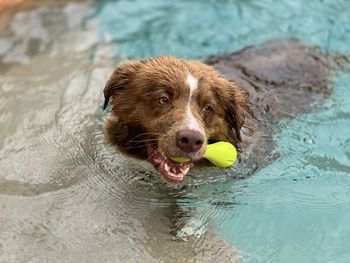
163, 100
207, 109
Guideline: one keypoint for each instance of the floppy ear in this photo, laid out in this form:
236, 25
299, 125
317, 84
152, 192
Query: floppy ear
237, 110
119, 79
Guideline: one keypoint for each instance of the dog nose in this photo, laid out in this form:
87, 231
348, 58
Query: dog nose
189, 141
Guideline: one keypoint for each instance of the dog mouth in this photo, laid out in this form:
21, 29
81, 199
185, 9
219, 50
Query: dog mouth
170, 171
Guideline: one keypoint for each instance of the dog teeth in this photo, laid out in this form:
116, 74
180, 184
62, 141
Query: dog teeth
177, 172
166, 167
184, 171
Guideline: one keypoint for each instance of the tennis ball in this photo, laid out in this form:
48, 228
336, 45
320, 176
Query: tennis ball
221, 154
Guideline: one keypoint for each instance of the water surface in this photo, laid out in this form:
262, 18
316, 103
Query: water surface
66, 196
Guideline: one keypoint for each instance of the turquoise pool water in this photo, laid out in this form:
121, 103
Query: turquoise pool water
298, 208
197, 29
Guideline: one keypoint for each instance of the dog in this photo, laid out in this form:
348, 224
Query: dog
168, 107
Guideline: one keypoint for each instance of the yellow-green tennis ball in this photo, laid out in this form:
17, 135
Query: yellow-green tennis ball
180, 159
221, 154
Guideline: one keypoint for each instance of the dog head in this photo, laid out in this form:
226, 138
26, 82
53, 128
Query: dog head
166, 107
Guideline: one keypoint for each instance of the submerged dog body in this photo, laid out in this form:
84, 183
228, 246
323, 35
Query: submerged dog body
167, 107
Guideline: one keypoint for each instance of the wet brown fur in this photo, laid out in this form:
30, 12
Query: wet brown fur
138, 118
283, 78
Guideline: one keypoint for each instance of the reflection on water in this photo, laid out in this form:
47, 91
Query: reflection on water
65, 196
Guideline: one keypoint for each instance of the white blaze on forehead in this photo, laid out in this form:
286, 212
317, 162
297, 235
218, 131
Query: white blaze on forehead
192, 83
190, 122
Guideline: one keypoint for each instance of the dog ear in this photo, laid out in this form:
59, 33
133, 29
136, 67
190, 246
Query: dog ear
119, 79
237, 109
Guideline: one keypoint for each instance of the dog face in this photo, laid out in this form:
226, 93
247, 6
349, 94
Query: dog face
167, 107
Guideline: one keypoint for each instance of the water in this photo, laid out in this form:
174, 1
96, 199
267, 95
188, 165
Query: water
66, 196
300, 203
197, 29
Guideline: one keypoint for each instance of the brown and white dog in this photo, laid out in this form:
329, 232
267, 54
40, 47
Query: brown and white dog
168, 107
